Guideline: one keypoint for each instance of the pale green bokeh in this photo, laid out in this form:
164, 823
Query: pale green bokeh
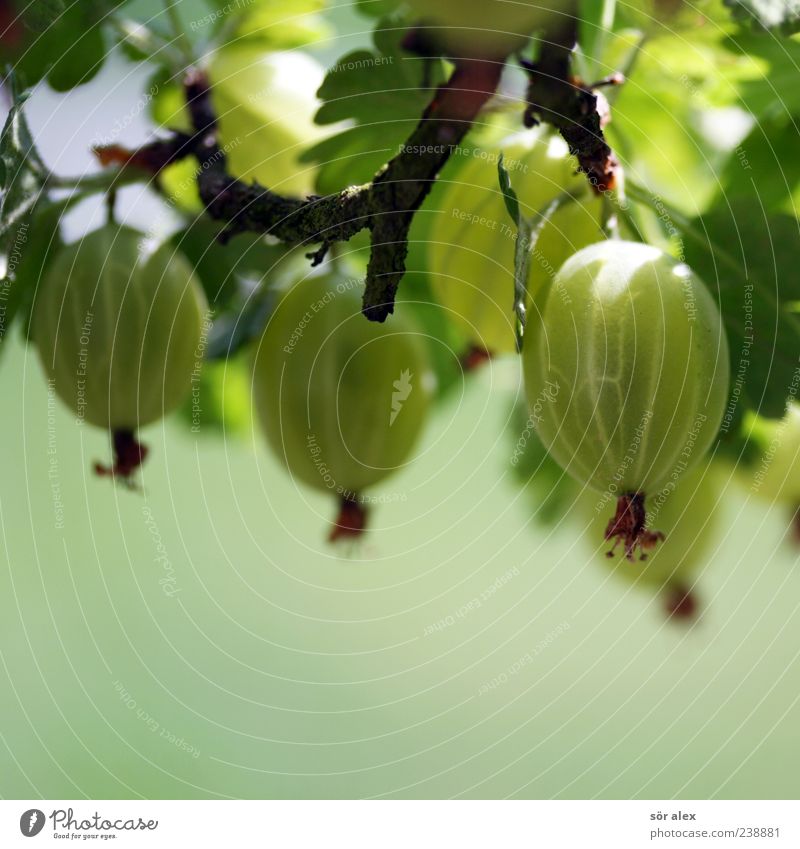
297, 673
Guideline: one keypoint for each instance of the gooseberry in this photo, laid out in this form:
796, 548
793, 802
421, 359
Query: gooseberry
774, 475
485, 29
266, 105
117, 334
688, 515
472, 238
342, 400
628, 377
659, 17
776, 470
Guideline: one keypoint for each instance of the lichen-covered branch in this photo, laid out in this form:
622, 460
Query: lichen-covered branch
399, 189
385, 206
578, 113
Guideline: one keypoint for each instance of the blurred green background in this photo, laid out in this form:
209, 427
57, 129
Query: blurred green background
246, 658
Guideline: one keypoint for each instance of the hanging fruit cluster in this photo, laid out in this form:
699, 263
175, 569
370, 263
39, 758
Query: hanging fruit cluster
510, 210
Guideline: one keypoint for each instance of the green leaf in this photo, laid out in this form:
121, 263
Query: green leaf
29, 232
353, 156
18, 251
367, 86
781, 15
596, 20
748, 259
80, 57
29, 250
41, 245
765, 166
69, 50
235, 329
280, 26
509, 195
223, 269
766, 81
40, 15
660, 117
689, 100
17, 149
527, 237
381, 94
139, 42
523, 246
220, 398
24, 175
375, 8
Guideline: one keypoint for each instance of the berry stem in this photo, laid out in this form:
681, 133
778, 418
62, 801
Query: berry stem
629, 526
680, 602
351, 521
474, 357
129, 454
795, 525
111, 205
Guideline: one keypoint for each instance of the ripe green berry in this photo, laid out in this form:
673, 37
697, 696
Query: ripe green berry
117, 333
489, 29
342, 400
774, 474
628, 376
266, 106
472, 238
